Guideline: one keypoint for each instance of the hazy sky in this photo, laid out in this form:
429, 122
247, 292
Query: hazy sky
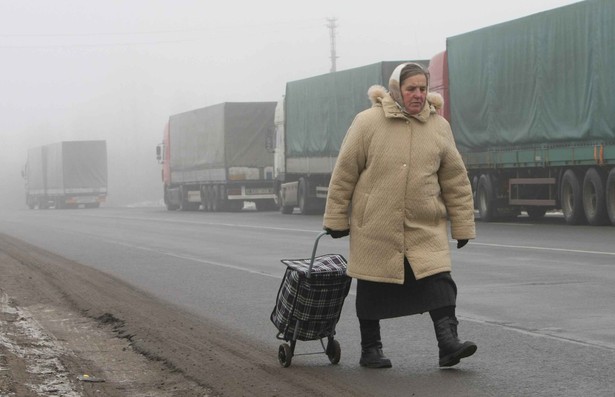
116, 69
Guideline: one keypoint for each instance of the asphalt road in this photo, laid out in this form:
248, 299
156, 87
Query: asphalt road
537, 298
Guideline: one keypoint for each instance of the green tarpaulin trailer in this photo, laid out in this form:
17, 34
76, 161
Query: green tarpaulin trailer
532, 108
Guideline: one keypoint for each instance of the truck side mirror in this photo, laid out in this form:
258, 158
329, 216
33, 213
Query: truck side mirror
158, 153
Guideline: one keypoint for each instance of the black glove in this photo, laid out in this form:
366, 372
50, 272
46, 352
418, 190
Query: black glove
337, 233
461, 243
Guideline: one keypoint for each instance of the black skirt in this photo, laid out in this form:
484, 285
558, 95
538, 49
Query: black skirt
376, 301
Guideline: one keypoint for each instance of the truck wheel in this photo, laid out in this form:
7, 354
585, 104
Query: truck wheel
303, 199
486, 204
205, 198
167, 201
572, 199
211, 197
183, 201
214, 199
222, 201
185, 204
285, 209
594, 199
610, 196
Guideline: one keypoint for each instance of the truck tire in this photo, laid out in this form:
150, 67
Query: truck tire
305, 203
167, 201
206, 198
43, 204
209, 199
222, 200
594, 198
610, 196
284, 209
485, 199
216, 201
185, 204
571, 197
475, 191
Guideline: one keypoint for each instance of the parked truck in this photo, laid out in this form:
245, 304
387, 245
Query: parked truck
531, 103
311, 121
219, 157
66, 174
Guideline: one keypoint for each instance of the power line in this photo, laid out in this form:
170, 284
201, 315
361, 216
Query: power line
97, 33
276, 25
95, 45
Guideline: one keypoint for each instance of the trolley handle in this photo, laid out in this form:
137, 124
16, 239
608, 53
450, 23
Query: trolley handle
323, 233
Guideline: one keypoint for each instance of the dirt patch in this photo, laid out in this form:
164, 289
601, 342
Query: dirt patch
60, 320
47, 349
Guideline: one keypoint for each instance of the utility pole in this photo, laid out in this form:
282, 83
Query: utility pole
332, 24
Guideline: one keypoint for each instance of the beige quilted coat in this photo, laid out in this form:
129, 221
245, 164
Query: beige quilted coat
402, 176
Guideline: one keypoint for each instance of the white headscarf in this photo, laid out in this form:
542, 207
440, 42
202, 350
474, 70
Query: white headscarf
395, 84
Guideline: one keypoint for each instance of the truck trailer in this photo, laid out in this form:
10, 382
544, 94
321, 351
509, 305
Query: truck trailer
218, 157
311, 121
532, 107
66, 174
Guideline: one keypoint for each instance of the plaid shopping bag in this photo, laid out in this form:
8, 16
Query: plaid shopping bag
313, 303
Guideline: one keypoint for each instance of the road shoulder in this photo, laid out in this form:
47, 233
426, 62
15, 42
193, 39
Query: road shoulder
115, 328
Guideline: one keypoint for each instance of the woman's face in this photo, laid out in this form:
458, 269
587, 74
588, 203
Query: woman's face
414, 92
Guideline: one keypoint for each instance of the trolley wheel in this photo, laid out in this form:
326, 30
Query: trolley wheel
334, 351
285, 356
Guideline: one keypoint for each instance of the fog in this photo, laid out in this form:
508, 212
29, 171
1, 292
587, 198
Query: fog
117, 69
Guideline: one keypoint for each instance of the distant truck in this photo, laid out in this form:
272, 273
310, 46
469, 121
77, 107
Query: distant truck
66, 174
532, 106
219, 157
311, 122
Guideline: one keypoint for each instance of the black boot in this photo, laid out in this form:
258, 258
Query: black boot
373, 357
452, 350
371, 346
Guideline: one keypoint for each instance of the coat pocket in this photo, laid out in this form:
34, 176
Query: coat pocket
439, 210
428, 211
358, 209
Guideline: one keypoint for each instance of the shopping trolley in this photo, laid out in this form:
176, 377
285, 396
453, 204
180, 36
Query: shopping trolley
309, 303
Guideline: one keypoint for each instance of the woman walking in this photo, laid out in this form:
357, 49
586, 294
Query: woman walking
397, 182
